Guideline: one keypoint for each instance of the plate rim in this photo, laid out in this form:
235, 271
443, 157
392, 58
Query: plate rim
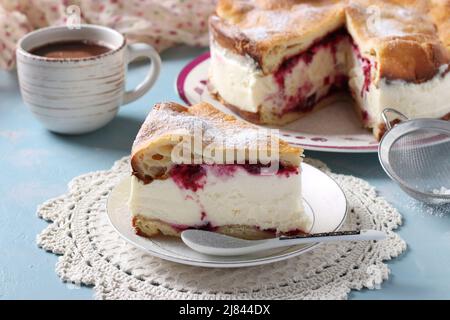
207, 264
185, 71
180, 82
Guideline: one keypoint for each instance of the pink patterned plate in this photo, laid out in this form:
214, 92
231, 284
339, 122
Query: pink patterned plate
312, 133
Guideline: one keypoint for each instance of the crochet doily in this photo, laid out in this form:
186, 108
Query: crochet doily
93, 254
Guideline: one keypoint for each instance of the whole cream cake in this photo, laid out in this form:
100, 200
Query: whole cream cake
248, 187
274, 61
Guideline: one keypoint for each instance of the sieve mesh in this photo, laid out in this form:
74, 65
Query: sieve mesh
421, 160
416, 154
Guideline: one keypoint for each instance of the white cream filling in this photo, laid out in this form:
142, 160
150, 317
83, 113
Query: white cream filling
239, 82
430, 99
276, 203
323, 65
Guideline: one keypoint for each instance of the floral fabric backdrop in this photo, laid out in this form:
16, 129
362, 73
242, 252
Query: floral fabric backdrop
161, 23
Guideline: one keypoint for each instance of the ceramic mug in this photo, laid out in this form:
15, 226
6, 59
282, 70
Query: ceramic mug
79, 95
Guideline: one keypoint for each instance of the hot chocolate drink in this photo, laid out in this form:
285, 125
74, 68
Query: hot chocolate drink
70, 50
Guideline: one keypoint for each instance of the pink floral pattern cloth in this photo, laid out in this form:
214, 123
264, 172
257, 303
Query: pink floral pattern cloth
161, 23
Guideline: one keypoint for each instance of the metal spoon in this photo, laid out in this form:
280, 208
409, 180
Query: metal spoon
217, 244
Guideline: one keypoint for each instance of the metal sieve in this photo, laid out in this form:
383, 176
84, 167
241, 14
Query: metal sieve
416, 154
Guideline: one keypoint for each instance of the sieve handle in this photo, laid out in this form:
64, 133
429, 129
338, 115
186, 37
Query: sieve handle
385, 117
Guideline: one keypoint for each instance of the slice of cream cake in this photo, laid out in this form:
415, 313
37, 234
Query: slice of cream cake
198, 168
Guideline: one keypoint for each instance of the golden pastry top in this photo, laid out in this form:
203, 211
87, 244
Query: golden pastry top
169, 123
408, 39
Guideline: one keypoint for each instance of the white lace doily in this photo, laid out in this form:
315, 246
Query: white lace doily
93, 254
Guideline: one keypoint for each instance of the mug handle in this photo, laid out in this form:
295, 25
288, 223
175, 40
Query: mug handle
139, 50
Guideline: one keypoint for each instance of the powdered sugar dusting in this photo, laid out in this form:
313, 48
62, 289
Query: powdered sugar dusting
442, 191
405, 13
168, 120
275, 22
210, 128
386, 28
270, 22
396, 21
425, 209
258, 33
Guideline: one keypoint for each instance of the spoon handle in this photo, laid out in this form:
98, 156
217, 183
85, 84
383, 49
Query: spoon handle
336, 236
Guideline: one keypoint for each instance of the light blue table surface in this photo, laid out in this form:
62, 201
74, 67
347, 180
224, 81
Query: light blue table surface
36, 165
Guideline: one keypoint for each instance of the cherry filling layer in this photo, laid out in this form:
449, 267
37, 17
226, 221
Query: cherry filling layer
178, 227
366, 66
330, 41
207, 227
193, 177
190, 177
307, 78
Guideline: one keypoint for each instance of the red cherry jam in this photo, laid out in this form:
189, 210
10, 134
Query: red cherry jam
256, 169
305, 99
193, 177
207, 227
366, 65
190, 177
329, 41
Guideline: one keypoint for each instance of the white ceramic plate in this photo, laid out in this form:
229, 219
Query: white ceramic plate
312, 133
324, 200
